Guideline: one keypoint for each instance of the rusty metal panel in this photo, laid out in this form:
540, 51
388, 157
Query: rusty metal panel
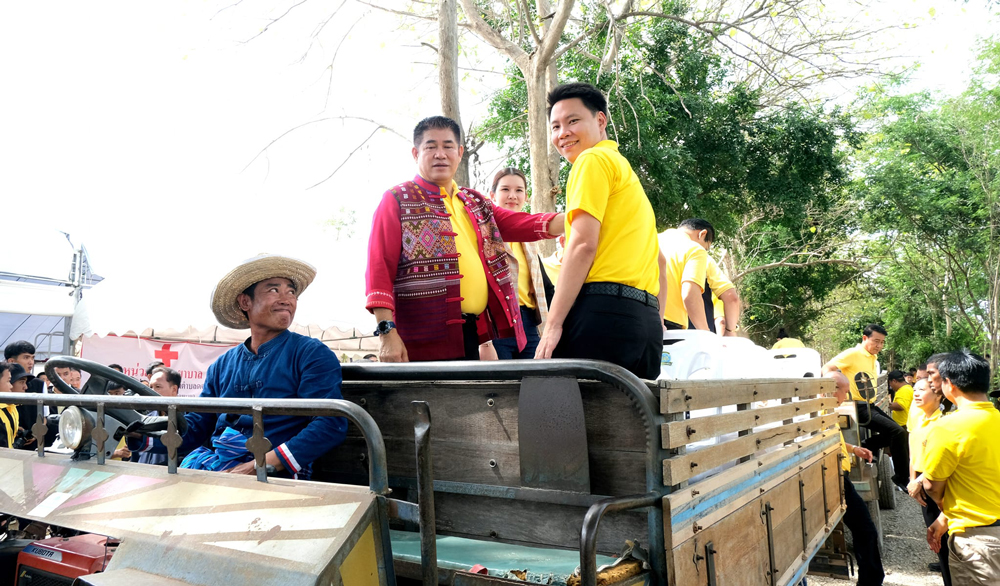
199, 527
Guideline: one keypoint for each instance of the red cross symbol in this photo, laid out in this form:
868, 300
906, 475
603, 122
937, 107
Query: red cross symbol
166, 355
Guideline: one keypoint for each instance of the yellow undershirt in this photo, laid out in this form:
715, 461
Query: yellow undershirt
524, 295
474, 289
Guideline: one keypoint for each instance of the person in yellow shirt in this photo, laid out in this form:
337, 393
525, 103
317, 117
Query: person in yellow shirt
858, 365
510, 191
607, 301
961, 465
925, 412
721, 293
902, 396
438, 281
786, 341
856, 517
685, 252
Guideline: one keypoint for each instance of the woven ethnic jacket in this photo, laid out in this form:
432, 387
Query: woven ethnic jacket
413, 267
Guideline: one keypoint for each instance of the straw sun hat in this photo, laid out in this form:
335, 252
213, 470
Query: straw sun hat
254, 270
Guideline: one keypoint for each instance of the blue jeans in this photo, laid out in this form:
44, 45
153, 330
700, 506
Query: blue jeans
507, 347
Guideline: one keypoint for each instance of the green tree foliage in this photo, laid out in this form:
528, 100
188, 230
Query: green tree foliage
769, 179
929, 196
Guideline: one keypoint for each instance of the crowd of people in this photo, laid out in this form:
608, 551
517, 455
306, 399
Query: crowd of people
945, 453
456, 275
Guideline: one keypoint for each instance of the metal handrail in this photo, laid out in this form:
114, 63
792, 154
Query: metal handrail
377, 467
515, 370
591, 523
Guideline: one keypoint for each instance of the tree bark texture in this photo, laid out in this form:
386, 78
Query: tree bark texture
448, 73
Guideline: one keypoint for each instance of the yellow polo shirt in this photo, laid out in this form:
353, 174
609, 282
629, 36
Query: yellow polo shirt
9, 418
918, 424
716, 279
859, 368
474, 289
602, 184
904, 396
788, 343
524, 294
964, 450
845, 462
686, 261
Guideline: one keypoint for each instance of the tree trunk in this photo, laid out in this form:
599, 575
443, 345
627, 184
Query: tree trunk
448, 73
544, 167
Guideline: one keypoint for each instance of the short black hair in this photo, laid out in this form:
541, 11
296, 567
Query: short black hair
113, 386
436, 122
896, 375
966, 370
153, 366
15, 349
936, 359
781, 333
698, 224
4, 367
922, 366
117, 367
75, 369
591, 97
874, 328
173, 377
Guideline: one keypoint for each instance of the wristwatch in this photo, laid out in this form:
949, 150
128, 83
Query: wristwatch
384, 327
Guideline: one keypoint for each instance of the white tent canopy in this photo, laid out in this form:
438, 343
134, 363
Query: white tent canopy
37, 287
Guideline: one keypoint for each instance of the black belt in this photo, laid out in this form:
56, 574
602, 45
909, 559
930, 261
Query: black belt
619, 290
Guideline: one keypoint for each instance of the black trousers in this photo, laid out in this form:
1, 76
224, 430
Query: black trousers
931, 512
865, 536
617, 329
470, 336
886, 432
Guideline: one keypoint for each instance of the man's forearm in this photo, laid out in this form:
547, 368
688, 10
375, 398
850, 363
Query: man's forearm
661, 297
557, 225
731, 305
694, 305
577, 260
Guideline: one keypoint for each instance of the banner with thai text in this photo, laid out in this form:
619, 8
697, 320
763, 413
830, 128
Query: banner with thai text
190, 359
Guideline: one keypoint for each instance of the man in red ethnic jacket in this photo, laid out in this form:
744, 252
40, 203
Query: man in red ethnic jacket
438, 279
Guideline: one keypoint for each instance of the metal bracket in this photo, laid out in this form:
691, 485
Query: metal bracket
100, 435
425, 493
172, 439
826, 504
765, 511
39, 430
710, 563
802, 515
259, 445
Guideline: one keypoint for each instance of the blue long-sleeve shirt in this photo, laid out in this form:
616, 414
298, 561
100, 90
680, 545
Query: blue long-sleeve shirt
287, 367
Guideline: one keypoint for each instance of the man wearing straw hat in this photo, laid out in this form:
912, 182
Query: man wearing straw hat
273, 363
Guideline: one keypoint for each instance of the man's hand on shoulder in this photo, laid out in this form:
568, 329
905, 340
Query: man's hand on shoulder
391, 348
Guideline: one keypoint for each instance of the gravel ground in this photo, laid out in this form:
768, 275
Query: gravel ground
906, 552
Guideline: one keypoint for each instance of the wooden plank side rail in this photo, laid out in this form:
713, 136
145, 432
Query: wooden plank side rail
682, 467
680, 396
679, 433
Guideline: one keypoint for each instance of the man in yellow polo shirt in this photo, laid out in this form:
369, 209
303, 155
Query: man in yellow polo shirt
856, 517
961, 467
858, 365
605, 305
902, 396
685, 250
